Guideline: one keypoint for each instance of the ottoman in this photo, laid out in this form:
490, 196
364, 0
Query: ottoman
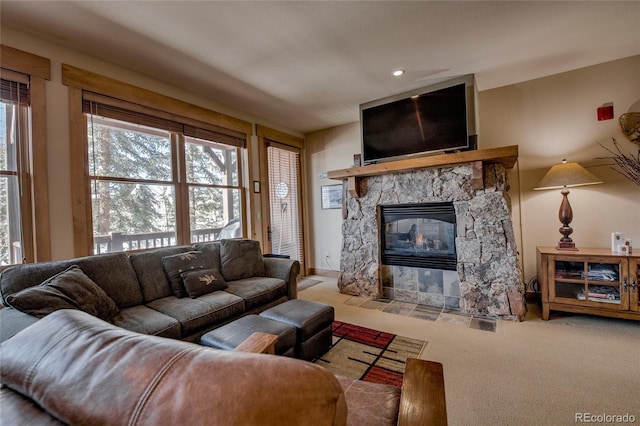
312, 321
231, 335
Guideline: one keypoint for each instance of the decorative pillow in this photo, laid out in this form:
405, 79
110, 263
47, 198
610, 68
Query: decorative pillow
202, 281
177, 264
70, 289
241, 259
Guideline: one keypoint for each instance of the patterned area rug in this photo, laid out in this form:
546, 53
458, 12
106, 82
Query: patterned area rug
369, 355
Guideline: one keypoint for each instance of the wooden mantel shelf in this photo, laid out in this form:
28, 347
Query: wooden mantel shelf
506, 155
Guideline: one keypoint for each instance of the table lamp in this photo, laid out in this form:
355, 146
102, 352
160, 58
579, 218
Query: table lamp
566, 175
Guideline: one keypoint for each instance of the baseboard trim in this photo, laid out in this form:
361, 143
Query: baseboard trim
324, 272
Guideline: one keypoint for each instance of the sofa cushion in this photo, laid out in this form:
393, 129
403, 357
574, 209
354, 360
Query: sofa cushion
211, 251
196, 314
241, 259
65, 363
115, 275
12, 321
257, 291
176, 264
145, 320
202, 281
70, 289
148, 267
112, 272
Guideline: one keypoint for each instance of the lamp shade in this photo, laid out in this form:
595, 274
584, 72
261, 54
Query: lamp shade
567, 174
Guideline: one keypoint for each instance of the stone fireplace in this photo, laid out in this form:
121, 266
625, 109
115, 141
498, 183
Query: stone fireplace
485, 278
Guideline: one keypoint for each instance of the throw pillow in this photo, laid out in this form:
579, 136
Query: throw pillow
177, 264
202, 281
70, 289
241, 259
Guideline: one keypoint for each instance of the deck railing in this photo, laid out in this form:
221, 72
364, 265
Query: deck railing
119, 241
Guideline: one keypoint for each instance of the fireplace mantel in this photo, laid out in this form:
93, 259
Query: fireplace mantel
506, 155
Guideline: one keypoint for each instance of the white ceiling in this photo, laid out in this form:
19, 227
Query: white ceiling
308, 65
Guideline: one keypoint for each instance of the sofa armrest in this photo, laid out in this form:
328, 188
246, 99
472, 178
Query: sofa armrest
284, 269
422, 401
259, 343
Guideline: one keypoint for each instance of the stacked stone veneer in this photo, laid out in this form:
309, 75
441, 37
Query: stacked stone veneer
488, 269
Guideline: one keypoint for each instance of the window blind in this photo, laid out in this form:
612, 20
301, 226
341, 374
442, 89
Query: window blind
117, 109
284, 168
14, 88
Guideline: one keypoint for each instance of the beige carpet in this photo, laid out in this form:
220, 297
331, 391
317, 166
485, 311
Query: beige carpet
306, 282
530, 373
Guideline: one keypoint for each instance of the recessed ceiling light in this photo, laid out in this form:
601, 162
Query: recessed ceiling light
398, 73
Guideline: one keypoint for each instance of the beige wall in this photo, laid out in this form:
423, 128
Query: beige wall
550, 119
327, 150
58, 129
554, 118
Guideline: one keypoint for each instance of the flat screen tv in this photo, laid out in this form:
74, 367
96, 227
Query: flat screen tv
434, 119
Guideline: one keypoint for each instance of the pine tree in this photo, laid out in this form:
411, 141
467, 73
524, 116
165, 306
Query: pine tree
124, 206
128, 207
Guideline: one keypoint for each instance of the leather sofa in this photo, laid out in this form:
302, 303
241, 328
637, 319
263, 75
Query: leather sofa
137, 292
73, 368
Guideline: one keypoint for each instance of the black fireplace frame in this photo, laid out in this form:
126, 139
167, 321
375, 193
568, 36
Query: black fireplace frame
443, 211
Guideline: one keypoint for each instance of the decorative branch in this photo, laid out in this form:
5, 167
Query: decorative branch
628, 165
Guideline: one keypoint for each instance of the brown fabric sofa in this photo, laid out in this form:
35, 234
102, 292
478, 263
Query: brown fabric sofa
72, 368
144, 298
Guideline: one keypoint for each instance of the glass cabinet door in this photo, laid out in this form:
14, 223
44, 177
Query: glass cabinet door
597, 282
567, 280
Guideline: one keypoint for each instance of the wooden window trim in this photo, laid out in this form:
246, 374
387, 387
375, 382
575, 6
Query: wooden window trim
152, 117
39, 70
101, 85
278, 136
80, 188
26, 63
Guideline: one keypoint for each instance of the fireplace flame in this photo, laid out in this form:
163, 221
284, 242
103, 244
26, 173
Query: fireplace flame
419, 240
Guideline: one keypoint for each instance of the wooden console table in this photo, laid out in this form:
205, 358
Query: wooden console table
589, 281
506, 155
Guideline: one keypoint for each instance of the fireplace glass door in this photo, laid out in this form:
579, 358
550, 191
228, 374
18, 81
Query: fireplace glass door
419, 235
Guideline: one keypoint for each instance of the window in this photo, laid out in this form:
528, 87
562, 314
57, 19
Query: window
150, 171
214, 190
132, 191
139, 173
24, 200
14, 185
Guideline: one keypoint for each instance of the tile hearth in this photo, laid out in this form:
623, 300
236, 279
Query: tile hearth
423, 312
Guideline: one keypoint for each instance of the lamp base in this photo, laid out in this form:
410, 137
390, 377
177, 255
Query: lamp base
566, 246
566, 216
